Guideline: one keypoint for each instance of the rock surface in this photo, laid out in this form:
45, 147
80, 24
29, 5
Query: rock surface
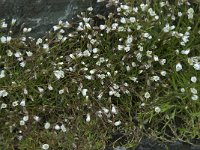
41, 15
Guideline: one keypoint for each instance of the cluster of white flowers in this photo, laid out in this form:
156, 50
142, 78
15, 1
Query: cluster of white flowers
135, 55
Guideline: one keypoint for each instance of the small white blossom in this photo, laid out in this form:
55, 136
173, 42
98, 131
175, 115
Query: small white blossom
15, 103
194, 79
193, 91
3, 39
117, 123
59, 74
41, 90
63, 128
4, 25
84, 92
105, 110
132, 19
22, 123
3, 93
25, 118
102, 27
36, 118
194, 97
179, 67
47, 125
3, 105
50, 87
45, 146
29, 54
163, 73
190, 13
197, 66
13, 21
22, 64
57, 127
182, 90
185, 52
23, 103
61, 91
114, 110
2, 74
88, 118
147, 95
157, 109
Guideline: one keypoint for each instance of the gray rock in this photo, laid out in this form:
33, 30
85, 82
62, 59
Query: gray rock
41, 15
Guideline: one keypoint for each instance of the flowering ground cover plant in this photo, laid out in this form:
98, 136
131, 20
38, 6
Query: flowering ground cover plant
135, 72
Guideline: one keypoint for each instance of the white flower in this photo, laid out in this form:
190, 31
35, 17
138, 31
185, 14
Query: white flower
57, 27
50, 87
185, 52
90, 9
25, 118
63, 128
123, 20
179, 67
166, 28
92, 71
102, 27
23, 103
45, 146
120, 47
162, 4
180, 14
194, 79
197, 66
117, 123
46, 47
3, 39
86, 53
39, 41
13, 21
2, 74
3, 93
147, 95
36, 118
29, 53
9, 53
157, 109
88, 118
163, 73
95, 50
132, 19
15, 103
59, 74
4, 25
18, 54
143, 7
22, 122
47, 125
195, 97
61, 91
3, 105
193, 90
182, 90
105, 110
190, 13
41, 90
84, 92
57, 127
114, 110
22, 64
156, 78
